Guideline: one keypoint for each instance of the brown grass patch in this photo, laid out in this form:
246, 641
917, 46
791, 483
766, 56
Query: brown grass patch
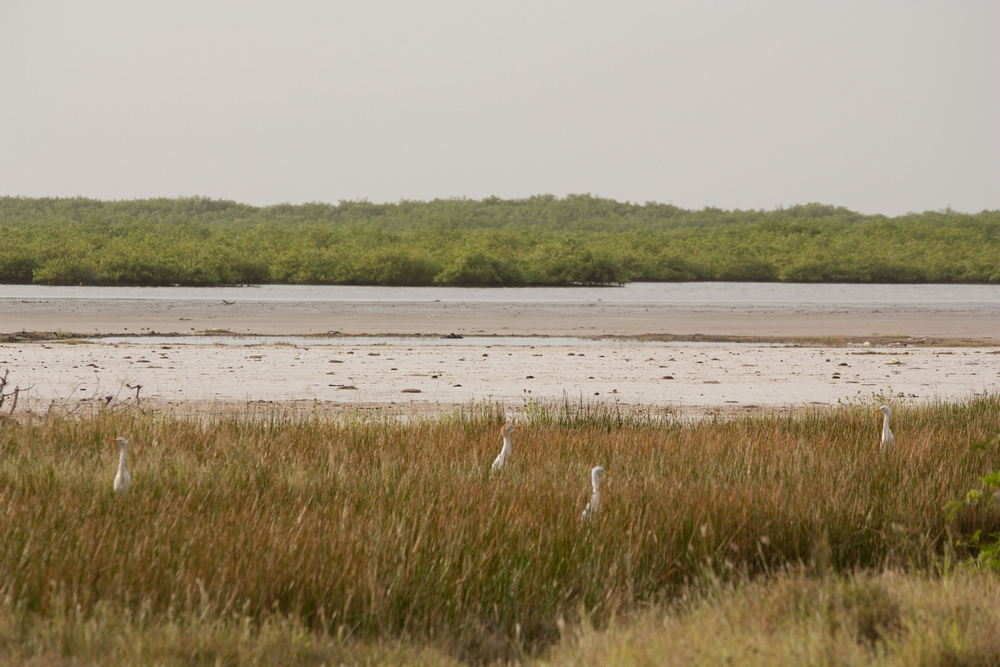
369, 527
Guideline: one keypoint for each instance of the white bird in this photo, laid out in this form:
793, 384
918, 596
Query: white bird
595, 480
501, 459
123, 479
887, 438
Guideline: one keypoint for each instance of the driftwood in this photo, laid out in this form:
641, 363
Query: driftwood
4, 396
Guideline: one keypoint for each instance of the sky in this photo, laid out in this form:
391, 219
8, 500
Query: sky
881, 107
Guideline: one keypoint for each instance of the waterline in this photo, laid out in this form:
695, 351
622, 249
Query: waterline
422, 341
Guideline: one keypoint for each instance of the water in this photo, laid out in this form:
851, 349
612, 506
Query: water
635, 293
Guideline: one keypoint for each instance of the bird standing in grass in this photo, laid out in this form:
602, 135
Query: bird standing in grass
887, 437
123, 479
595, 480
501, 459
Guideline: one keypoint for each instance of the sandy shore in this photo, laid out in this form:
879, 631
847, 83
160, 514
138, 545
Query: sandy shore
428, 376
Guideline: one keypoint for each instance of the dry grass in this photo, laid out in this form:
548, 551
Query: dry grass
889, 619
374, 529
106, 637
793, 618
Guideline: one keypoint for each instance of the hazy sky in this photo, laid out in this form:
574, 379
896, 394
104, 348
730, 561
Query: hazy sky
883, 107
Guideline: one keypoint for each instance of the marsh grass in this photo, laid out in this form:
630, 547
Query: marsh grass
369, 527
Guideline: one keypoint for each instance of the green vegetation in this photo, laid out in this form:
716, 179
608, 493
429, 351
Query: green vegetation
248, 531
536, 241
986, 545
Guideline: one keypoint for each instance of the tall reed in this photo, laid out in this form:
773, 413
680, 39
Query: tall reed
379, 527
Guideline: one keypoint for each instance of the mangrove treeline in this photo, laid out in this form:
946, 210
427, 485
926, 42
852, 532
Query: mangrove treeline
541, 240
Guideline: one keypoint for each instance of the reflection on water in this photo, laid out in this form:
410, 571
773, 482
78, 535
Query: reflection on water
403, 341
634, 293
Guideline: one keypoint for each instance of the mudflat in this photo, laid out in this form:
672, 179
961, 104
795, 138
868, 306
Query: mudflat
942, 320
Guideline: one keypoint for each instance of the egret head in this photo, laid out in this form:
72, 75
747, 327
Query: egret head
120, 441
599, 472
508, 428
884, 410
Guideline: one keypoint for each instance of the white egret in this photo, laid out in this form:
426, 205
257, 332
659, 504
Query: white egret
123, 479
501, 459
887, 438
595, 480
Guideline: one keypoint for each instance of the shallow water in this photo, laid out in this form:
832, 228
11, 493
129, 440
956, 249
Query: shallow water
634, 293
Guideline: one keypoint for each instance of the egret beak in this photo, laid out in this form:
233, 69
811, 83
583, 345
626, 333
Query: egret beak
608, 474
876, 411
517, 426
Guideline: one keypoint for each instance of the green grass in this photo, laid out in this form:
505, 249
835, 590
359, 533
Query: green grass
376, 529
